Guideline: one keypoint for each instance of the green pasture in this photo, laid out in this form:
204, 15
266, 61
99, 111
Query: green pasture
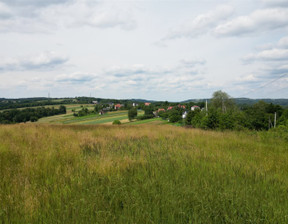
107, 118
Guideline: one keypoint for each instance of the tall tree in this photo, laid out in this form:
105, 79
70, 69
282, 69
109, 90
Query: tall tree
221, 100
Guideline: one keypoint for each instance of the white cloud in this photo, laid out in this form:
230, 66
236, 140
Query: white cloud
283, 42
65, 14
202, 23
43, 61
258, 21
269, 55
138, 77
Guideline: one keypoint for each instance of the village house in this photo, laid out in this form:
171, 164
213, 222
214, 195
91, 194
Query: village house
147, 104
118, 106
195, 107
184, 115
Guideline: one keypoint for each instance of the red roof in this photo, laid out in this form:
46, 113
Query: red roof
117, 106
169, 108
147, 104
182, 106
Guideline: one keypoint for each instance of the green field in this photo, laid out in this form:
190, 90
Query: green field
107, 118
141, 174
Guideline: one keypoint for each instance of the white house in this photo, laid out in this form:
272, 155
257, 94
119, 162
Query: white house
184, 115
195, 107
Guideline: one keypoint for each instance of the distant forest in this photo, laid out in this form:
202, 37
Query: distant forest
29, 114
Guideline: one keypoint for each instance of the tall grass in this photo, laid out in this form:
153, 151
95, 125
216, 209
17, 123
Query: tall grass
140, 174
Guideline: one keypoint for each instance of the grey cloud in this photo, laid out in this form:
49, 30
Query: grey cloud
276, 3
44, 61
275, 71
192, 63
77, 78
36, 3
32, 16
5, 12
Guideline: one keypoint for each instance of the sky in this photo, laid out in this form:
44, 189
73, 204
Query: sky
150, 49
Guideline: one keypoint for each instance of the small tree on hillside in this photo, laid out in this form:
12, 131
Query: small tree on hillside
132, 113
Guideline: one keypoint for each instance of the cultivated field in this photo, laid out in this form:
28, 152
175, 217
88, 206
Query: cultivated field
140, 174
107, 118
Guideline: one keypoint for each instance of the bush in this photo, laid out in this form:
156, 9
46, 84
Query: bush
116, 122
144, 117
175, 116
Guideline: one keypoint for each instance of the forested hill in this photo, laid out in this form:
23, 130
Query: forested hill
247, 101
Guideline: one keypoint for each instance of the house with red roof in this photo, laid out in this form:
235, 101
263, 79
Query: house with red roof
118, 106
182, 106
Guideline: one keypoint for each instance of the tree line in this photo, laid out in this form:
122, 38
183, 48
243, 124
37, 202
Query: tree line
29, 114
222, 114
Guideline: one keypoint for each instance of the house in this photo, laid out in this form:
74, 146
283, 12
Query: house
135, 104
170, 108
182, 106
118, 106
147, 104
184, 115
195, 107
95, 102
161, 109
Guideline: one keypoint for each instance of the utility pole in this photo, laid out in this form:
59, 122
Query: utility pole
275, 120
206, 107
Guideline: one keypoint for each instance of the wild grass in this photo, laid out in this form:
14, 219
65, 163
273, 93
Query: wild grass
140, 174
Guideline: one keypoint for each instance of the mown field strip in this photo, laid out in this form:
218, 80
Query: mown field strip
106, 120
93, 117
153, 120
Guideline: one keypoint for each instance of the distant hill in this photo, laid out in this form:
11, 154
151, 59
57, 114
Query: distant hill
282, 102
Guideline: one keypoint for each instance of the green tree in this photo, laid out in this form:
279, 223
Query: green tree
221, 100
174, 116
132, 113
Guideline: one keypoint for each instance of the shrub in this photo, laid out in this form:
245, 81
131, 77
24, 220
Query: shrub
116, 122
144, 117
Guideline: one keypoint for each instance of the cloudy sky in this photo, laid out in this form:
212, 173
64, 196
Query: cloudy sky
154, 49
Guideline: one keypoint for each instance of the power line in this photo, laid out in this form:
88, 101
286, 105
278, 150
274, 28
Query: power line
266, 84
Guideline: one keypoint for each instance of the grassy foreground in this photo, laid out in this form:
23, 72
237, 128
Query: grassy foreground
140, 174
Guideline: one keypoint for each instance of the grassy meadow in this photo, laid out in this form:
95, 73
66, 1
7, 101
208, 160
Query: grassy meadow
140, 174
